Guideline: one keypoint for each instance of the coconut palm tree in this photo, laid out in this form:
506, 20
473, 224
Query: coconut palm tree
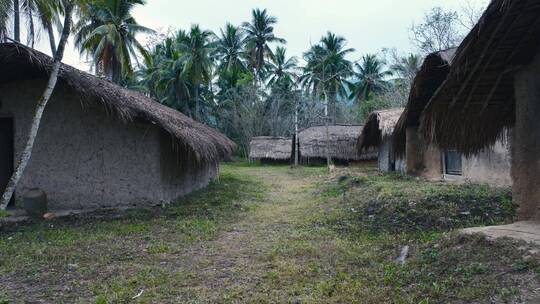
371, 78
37, 13
327, 67
163, 77
407, 67
259, 34
107, 33
282, 70
230, 48
42, 14
327, 70
6, 9
196, 48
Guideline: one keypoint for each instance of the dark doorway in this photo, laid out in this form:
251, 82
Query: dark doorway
452, 162
6, 153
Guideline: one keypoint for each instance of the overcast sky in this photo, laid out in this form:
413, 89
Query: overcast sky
368, 26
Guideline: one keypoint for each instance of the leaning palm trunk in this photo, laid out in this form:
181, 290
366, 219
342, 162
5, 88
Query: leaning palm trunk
40, 107
52, 42
16, 21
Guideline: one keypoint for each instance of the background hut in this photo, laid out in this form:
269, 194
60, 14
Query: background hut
342, 143
494, 86
377, 133
267, 149
99, 145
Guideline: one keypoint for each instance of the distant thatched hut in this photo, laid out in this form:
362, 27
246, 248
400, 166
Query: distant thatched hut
494, 86
342, 145
267, 149
100, 145
377, 133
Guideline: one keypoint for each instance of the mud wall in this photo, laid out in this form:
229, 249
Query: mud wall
384, 156
491, 166
423, 160
526, 142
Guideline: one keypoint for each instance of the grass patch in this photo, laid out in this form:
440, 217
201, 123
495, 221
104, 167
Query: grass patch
4, 214
107, 242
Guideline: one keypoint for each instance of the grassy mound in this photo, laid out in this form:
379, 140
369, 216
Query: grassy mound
392, 203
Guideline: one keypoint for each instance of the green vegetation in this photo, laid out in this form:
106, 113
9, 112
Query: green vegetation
274, 234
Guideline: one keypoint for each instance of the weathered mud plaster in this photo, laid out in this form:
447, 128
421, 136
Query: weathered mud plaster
526, 142
86, 158
491, 166
423, 160
386, 160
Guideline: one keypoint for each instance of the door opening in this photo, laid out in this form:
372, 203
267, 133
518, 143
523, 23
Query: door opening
6, 153
452, 162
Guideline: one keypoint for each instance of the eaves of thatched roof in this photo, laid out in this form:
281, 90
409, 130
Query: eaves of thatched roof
194, 140
342, 142
267, 147
432, 74
476, 103
379, 125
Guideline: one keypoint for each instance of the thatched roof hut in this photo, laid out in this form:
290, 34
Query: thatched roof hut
379, 125
197, 140
432, 74
270, 148
493, 86
100, 145
477, 100
343, 140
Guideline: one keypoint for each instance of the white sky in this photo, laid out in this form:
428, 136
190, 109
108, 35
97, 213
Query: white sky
368, 26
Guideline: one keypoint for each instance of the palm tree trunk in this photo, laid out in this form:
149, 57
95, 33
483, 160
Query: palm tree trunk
197, 104
38, 114
16, 21
52, 42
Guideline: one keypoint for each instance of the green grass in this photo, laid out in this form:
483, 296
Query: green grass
95, 243
4, 214
272, 234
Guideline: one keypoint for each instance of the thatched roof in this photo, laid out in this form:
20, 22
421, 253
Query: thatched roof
476, 103
379, 125
194, 141
343, 139
266, 147
432, 74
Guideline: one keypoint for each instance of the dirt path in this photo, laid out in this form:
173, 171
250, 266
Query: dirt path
233, 264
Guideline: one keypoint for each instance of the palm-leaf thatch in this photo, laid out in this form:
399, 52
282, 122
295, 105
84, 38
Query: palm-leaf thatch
432, 74
476, 103
379, 126
193, 140
274, 148
342, 143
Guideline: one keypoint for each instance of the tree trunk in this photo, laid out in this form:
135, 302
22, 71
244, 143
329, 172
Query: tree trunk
52, 42
40, 107
16, 21
197, 104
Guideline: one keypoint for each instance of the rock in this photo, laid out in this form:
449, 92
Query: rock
49, 216
35, 203
343, 178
